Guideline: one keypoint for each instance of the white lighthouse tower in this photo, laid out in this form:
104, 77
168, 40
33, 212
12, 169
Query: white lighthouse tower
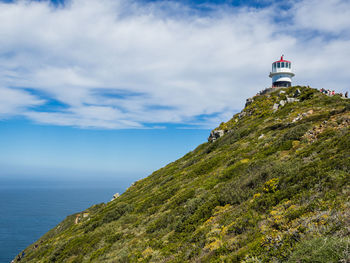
281, 73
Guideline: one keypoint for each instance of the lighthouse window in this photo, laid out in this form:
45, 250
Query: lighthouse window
278, 65
282, 66
289, 65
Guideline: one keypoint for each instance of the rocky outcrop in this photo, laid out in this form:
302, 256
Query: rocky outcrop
302, 115
242, 114
78, 217
312, 135
261, 136
115, 196
281, 103
248, 101
290, 100
215, 134
297, 93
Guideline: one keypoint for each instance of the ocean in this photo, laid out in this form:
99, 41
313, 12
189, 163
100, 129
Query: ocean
29, 211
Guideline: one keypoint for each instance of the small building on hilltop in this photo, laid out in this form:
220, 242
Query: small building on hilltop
281, 73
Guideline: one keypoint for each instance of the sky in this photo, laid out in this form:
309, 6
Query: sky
117, 88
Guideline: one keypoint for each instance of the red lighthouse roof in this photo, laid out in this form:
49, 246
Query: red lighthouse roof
282, 60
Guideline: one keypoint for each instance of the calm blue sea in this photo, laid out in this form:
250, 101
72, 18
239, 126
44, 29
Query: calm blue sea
29, 211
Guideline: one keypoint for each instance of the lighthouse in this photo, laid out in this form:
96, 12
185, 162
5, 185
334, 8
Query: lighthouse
281, 73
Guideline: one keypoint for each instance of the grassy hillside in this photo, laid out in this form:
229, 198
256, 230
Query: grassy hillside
274, 188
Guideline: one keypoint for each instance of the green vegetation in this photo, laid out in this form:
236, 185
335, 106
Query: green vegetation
322, 249
274, 188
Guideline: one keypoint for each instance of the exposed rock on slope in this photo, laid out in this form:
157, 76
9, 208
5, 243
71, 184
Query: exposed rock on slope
271, 187
215, 134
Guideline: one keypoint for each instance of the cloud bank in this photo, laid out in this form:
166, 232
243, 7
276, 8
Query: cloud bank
127, 64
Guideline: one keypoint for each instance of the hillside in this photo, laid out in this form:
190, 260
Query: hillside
275, 187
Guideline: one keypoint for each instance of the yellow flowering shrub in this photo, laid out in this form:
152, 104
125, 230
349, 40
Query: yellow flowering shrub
271, 185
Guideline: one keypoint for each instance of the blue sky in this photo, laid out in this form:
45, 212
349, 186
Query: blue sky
119, 88
50, 152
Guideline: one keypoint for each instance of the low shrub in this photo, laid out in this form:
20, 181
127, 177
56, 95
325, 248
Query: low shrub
322, 249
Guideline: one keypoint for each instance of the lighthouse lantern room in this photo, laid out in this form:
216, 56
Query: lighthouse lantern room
281, 73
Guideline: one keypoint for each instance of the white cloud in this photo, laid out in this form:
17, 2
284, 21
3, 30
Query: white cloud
14, 102
331, 16
124, 64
